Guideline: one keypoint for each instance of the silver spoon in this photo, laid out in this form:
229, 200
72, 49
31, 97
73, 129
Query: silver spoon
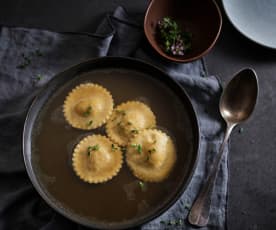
236, 105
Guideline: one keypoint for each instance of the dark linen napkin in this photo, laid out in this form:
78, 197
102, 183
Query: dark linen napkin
30, 58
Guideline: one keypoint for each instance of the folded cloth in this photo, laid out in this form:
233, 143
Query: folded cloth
30, 58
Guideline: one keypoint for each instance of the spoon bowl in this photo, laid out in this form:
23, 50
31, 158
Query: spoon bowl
237, 103
239, 97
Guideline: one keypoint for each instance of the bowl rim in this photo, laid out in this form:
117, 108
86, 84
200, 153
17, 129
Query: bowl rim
26, 146
184, 60
242, 32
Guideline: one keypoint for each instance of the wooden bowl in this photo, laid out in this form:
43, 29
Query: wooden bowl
201, 18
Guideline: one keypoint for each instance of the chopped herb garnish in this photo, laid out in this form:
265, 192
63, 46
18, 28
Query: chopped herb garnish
180, 222
123, 149
38, 52
187, 207
92, 148
150, 151
113, 147
39, 77
87, 112
172, 39
142, 185
134, 131
89, 123
95, 147
138, 147
26, 61
172, 222
122, 112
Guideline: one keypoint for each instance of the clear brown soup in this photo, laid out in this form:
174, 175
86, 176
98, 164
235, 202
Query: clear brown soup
121, 198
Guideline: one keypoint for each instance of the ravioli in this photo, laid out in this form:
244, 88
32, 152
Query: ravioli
88, 106
151, 155
96, 159
127, 120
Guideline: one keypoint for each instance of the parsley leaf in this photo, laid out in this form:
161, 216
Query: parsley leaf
92, 148
142, 185
89, 123
138, 147
88, 111
113, 147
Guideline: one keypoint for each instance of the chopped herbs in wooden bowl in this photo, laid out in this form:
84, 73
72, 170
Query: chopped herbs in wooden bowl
171, 38
182, 31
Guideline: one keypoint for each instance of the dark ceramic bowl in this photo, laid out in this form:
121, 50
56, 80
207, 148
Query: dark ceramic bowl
48, 143
201, 18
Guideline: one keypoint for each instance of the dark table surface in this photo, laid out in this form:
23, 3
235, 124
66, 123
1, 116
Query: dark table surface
252, 187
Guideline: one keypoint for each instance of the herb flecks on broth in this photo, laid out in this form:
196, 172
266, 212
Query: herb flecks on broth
142, 185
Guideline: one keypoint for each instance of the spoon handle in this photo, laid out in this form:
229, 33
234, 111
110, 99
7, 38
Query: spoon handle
199, 213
